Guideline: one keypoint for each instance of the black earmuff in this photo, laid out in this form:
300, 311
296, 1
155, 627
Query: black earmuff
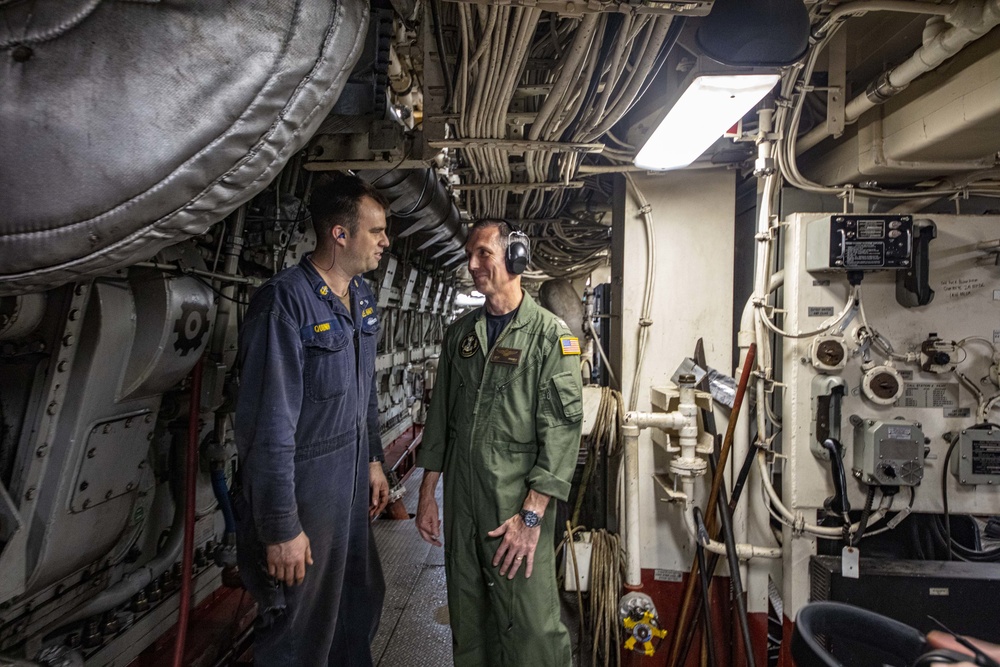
518, 250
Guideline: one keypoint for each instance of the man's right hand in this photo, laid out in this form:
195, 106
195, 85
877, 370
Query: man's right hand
286, 561
428, 518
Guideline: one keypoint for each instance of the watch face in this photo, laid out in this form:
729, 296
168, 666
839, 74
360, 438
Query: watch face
529, 518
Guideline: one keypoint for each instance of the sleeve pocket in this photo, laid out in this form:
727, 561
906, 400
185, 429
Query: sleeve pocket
567, 391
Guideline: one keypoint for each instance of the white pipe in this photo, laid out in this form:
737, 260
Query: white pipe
633, 573
743, 551
797, 521
688, 411
969, 24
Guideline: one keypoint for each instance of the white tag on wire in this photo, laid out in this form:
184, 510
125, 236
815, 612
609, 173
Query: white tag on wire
850, 562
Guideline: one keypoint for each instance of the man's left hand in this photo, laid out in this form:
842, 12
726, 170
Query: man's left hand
379, 486
518, 546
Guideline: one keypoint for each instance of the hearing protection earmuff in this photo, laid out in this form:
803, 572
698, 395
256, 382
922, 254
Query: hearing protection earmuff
518, 250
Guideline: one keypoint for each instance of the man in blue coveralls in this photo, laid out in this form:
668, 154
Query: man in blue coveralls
309, 446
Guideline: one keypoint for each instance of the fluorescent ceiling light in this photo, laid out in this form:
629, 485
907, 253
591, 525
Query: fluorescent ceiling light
709, 106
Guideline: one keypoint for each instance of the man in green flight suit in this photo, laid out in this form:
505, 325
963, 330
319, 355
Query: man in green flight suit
504, 428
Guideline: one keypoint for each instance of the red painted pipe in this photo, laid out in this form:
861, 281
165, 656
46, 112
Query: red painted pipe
190, 486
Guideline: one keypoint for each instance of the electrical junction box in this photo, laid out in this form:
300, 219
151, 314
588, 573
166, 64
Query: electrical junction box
859, 243
888, 453
976, 459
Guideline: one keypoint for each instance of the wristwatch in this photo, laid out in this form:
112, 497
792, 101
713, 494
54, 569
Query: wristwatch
530, 519
376, 459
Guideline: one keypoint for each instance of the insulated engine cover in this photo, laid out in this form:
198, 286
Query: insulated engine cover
126, 127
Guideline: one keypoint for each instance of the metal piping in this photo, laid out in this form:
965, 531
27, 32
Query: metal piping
969, 23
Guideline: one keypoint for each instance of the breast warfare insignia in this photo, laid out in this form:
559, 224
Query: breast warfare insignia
470, 345
506, 355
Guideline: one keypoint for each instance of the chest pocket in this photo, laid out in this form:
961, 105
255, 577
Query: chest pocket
329, 365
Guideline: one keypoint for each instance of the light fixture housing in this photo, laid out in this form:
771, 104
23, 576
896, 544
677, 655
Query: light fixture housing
708, 106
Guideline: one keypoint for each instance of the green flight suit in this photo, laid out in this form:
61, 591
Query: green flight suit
501, 422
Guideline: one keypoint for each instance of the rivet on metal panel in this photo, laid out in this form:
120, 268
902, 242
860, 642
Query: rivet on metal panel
149, 436
74, 314
129, 486
62, 366
92, 452
106, 429
84, 485
128, 423
68, 340
148, 419
30, 493
42, 451
52, 408
80, 290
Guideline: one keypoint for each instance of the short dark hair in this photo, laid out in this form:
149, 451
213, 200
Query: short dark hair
504, 227
335, 200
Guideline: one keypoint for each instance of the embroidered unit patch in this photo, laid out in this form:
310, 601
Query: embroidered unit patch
470, 345
570, 345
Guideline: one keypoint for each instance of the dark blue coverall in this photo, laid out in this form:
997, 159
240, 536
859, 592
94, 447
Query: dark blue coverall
306, 427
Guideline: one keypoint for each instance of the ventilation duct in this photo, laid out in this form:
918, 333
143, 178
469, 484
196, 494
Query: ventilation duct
424, 209
128, 126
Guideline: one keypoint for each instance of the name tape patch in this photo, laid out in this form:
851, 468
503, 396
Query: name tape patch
506, 355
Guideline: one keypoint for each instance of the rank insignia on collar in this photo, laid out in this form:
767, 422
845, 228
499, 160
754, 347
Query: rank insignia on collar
324, 290
470, 345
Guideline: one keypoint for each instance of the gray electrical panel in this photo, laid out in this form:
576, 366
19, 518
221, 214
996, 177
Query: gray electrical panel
977, 457
888, 453
859, 243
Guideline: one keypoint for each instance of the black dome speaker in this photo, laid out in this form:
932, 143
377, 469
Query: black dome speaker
744, 33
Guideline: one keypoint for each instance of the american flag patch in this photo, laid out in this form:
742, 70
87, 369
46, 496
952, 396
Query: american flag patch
570, 345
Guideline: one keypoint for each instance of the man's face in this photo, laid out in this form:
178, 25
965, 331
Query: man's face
486, 264
364, 248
